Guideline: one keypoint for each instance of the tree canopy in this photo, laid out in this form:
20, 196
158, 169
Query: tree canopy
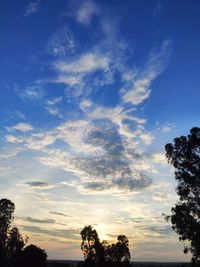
101, 253
13, 252
7, 208
184, 155
34, 256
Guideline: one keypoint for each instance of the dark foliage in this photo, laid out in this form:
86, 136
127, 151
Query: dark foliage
15, 244
12, 252
34, 256
93, 250
118, 252
6, 216
97, 253
58, 265
184, 155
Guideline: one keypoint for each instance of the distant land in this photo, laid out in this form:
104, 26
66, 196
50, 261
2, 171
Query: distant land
73, 263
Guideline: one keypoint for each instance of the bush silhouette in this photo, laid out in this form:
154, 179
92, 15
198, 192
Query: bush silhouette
34, 256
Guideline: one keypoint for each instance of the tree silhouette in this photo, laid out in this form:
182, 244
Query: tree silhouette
118, 252
34, 256
12, 252
184, 155
101, 253
15, 244
7, 208
91, 245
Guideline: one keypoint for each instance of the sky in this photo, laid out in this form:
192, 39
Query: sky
90, 93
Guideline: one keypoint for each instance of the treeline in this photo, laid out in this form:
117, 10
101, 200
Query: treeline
101, 253
15, 251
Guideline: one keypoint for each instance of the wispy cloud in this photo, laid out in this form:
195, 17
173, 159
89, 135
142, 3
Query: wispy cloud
59, 214
32, 8
167, 127
64, 233
160, 196
31, 92
61, 43
54, 101
157, 8
36, 220
85, 103
106, 166
86, 11
54, 111
14, 139
40, 185
140, 89
86, 63
106, 145
9, 153
21, 126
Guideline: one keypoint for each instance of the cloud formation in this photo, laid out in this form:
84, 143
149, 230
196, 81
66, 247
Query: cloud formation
40, 185
86, 11
32, 8
140, 87
33, 92
105, 144
35, 220
21, 126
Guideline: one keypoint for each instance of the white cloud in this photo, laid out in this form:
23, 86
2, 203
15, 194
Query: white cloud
14, 139
6, 154
140, 89
86, 63
31, 93
86, 11
54, 111
123, 118
160, 197
52, 106
167, 128
159, 158
85, 103
61, 43
40, 185
20, 115
21, 126
40, 141
54, 101
69, 79
32, 8
139, 92
147, 138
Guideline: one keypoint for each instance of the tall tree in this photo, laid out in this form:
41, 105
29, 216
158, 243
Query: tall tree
118, 252
91, 245
101, 253
184, 155
7, 208
15, 245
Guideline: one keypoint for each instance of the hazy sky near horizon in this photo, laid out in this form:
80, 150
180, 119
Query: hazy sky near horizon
91, 91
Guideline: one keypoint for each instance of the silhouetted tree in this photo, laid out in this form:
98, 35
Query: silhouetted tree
34, 256
118, 252
12, 243
184, 155
6, 216
101, 253
15, 244
91, 246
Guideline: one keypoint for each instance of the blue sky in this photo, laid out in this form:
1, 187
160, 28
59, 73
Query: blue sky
91, 91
